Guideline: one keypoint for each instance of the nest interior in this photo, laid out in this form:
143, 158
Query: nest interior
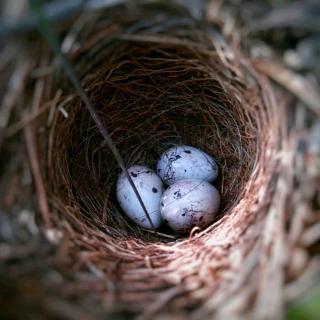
154, 90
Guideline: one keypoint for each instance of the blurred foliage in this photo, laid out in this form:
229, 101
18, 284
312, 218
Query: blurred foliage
308, 308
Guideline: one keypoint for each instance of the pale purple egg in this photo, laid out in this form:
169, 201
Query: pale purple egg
189, 203
186, 162
150, 188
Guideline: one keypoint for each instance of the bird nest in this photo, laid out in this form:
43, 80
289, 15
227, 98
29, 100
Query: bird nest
154, 86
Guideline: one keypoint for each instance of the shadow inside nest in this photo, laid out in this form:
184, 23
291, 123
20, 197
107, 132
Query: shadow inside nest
152, 91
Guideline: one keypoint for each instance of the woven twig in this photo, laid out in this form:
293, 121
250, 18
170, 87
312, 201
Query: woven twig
155, 85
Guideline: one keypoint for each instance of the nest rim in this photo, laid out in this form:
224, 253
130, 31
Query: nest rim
140, 251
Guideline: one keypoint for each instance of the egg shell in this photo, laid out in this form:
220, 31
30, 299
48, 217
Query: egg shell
150, 188
189, 203
186, 162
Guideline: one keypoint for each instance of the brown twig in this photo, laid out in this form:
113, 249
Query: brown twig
35, 168
300, 86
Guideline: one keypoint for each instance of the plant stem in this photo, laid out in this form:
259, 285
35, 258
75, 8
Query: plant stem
52, 40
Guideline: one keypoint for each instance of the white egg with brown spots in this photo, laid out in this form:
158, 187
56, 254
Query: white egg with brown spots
186, 162
189, 203
150, 188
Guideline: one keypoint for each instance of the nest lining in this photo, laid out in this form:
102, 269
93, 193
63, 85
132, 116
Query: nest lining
151, 94
151, 97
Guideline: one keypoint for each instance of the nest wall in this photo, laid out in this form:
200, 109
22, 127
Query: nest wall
153, 90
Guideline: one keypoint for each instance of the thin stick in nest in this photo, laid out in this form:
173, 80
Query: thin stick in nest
52, 41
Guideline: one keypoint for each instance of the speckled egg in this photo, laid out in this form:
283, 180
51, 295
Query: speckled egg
150, 188
185, 162
189, 203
